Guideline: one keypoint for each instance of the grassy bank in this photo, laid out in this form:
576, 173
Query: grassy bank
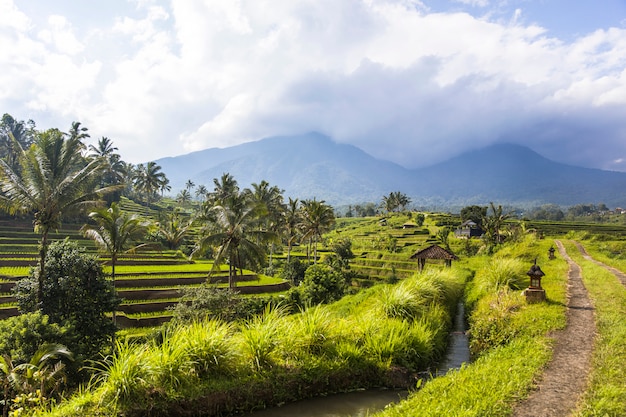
509, 338
379, 337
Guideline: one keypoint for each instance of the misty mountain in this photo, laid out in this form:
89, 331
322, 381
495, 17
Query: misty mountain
312, 165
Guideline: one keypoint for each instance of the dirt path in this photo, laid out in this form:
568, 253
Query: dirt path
619, 274
565, 377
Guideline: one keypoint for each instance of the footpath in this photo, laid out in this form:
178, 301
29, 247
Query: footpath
564, 379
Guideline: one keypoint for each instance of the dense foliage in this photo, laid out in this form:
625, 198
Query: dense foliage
77, 294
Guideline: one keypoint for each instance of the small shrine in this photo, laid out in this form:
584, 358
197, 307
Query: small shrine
535, 293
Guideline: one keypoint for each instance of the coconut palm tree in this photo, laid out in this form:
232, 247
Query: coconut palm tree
201, 192
173, 231
317, 218
104, 149
55, 179
493, 223
149, 179
189, 185
293, 221
183, 197
235, 234
13, 135
114, 232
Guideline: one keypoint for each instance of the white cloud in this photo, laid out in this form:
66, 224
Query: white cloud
391, 76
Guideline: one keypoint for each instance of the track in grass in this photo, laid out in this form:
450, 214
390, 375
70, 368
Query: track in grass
619, 274
565, 378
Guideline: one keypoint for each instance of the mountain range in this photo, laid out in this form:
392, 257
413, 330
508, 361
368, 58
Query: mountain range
314, 166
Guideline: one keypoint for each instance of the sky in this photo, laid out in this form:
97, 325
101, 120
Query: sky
414, 82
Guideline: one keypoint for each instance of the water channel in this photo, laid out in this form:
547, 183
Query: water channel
366, 402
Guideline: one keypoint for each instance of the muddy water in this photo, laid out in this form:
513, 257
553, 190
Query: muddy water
366, 402
352, 404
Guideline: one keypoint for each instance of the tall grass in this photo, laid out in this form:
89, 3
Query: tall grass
350, 344
258, 339
208, 345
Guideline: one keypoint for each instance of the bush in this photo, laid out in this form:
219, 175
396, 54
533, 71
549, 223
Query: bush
76, 293
293, 271
21, 336
322, 284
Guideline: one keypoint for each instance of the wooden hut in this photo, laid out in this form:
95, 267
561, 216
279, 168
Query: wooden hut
433, 252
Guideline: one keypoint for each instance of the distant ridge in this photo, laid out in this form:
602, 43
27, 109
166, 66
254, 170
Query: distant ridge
313, 165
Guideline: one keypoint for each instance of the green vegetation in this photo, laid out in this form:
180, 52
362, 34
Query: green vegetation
509, 340
249, 301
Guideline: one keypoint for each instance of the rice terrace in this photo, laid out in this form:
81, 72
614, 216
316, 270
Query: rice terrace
117, 299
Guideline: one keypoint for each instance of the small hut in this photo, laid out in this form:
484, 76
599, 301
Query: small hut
433, 252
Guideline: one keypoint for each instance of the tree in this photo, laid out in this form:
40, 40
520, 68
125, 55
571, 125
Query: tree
189, 186
395, 201
443, 236
114, 232
321, 284
493, 223
183, 198
224, 188
235, 233
76, 293
270, 202
474, 213
173, 230
317, 218
201, 192
54, 180
104, 149
149, 179
13, 136
293, 221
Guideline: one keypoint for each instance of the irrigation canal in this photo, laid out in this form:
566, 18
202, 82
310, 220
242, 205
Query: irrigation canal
366, 402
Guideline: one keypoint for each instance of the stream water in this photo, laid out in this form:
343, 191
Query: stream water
458, 344
367, 402
351, 404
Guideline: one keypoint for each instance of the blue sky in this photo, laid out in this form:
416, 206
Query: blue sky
415, 82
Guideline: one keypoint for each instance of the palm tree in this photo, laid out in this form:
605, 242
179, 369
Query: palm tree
270, 200
115, 168
293, 220
13, 135
236, 235
114, 232
189, 185
174, 231
224, 188
317, 218
183, 197
104, 149
149, 179
493, 223
201, 192
55, 180
44, 373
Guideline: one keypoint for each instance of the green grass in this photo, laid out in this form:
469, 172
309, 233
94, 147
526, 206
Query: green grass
503, 370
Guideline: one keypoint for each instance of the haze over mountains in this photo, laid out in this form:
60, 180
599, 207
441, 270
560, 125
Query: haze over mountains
312, 165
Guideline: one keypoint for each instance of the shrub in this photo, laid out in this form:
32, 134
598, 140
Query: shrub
76, 293
322, 284
21, 336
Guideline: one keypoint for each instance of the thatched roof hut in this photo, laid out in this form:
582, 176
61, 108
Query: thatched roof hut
433, 252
